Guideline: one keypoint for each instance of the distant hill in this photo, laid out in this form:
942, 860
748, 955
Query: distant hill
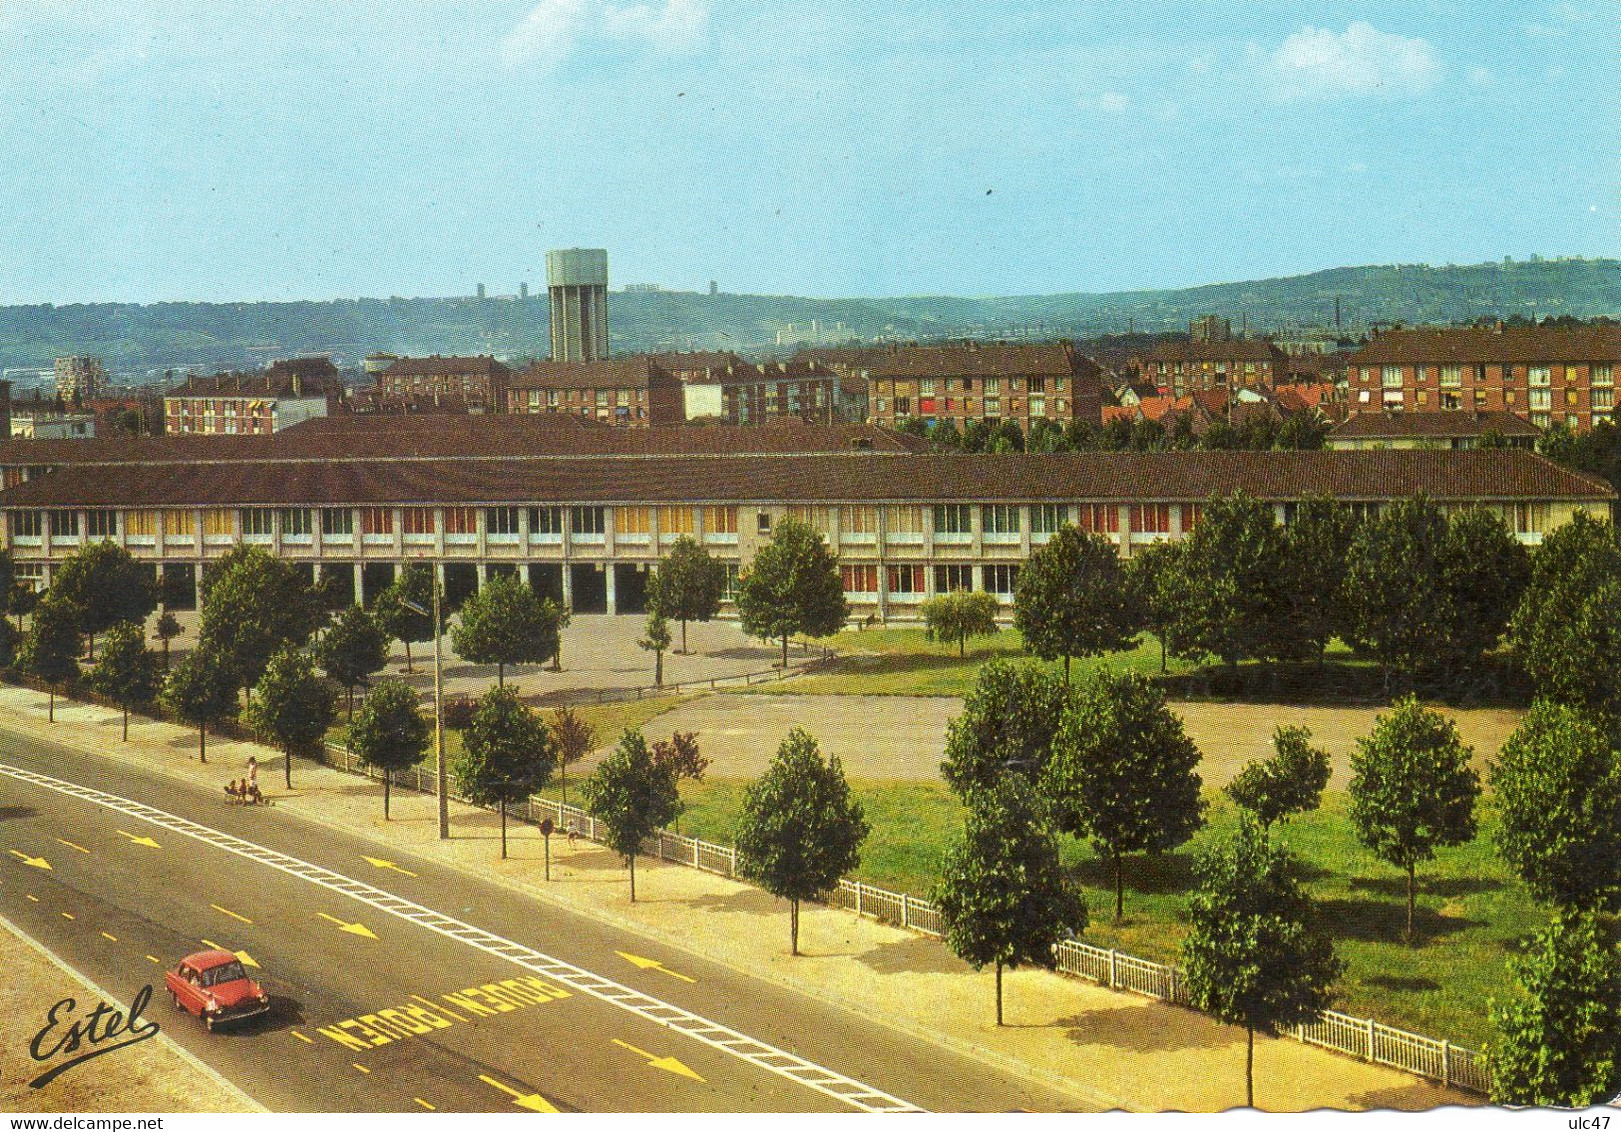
134, 337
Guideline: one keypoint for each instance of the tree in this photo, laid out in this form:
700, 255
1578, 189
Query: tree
799, 830
1071, 599
958, 615
352, 649
1230, 573
575, 739
1123, 773
655, 642
255, 606
792, 586
680, 756
1557, 783
22, 600
199, 690
1006, 727
50, 651
1559, 1039
1412, 790
413, 585
390, 732
688, 585
1290, 782
166, 629
1003, 896
1254, 955
292, 706
633, 796
458, 711
504, 623
1400, 626
10, 642
107, 585
1566, 633
507, 754
127, 673
1484, 570
1316, 546
1153, 590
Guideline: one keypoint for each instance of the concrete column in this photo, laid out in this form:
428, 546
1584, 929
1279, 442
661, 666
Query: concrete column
360, 582
197, 579
608, 577
568, 585
1024, 532
483, 569
1125, 530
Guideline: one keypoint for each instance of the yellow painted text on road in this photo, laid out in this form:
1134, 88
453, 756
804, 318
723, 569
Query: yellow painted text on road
413, 1019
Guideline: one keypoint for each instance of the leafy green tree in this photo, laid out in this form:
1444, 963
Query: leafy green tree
292, 706
412, 586
799, 830
254, 607
679, 754
507, 754
1290, 782
1006, 727
1316, 548
792, 586
1006, 437
22, 600
166, 629
560, 616
108, 587
655, 642
390, 732
688, 585
633, 796
1412, 790
1230, 572
1559, 1038
1003, 895
199, 690
958, 615
1483, 572
458, 711
1123, 773
1566, 632
352, 649
8, 575
944, 437
1154, 589
1400, 625
1255, 955
127, 673
1304, 432
1557, 782
1071, 599
976, 436
504, 623
575, 739
50, 651
10, 642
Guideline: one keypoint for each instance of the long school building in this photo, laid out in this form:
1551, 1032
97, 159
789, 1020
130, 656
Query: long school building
587, 526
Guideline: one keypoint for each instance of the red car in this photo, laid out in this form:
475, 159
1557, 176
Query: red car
212, 985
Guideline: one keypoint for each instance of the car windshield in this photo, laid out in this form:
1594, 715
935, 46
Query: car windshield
224, 973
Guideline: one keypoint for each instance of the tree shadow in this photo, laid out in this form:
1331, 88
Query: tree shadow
1446, 887
1417, 1097
1156, 874
1385, 921
1403, 983
916, 955
7, 813
1144, 1029
748, 901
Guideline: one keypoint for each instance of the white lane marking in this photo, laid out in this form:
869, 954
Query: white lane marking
762, 1056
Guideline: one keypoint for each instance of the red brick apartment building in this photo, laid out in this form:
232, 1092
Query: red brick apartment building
975, 381
625, 392
476, 384
1238, 363
1549, 375
233, 404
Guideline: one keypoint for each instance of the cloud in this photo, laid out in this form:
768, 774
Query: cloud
555, 29
1362, 60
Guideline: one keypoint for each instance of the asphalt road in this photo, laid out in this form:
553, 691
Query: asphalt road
120, 911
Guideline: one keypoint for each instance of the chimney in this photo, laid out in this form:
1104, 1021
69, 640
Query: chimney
298, 384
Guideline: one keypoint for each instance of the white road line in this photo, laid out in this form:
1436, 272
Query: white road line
756, 1053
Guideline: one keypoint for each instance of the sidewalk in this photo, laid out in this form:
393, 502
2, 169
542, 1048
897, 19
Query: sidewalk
1105, 1048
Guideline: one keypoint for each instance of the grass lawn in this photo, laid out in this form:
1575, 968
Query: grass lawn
1470, 911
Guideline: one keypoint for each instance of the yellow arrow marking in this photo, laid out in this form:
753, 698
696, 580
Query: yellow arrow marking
71, 845
382, 864
305, 1038
532, 1101
34, 898
230, 913
352, 929
425, 1104
653, 965
110, 935
668, 1064
69, 916
37, 862
360, 1067
147, 841
155, 959
247, 960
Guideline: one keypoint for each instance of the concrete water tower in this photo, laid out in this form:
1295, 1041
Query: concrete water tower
577, 279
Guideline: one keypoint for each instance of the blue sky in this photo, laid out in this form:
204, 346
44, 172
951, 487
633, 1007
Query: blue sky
171, 149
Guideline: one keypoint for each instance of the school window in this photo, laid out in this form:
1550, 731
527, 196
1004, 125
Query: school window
734, 574
1046, 518
1102, 518
907, 579
818, 519
1000, 518
140, 524
1151, 518
586, 521
179, 525
1001, 579
1530, 518
950, 578
64, 524
720, 520
545, 522
501, 521
953, 519
337, 522
859, 579
27, 524
675, 521
376, 521
461, 521
258, 522
858, 521
762, 522
101, 524
904, 523
219, 523
416, 520
633, 520
296, 522
1193, 515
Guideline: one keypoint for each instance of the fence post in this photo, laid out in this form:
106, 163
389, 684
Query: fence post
1112, 954
859, 908
906, 909
695, 844
1370, 1039
1446, 1063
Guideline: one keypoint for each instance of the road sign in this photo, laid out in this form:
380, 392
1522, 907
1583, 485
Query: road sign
546, 828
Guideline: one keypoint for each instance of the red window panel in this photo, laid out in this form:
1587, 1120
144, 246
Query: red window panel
1104, 518
906, 580
859, 579
1192, 516
1151, 518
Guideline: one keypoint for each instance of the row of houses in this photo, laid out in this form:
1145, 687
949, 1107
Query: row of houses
583, 512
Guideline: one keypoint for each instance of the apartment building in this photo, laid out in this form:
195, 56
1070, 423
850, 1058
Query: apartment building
979, 381
632, 392
1186, 367
247, 404
474, 385
79, 378
1461, 430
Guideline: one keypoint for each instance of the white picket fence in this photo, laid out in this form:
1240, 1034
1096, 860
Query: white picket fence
1362, 1038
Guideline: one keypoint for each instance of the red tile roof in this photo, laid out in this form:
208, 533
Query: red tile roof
1379, 425
1485, 345
612, 373
979, 360
429, 366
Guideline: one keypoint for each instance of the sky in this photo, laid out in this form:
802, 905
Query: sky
227, 150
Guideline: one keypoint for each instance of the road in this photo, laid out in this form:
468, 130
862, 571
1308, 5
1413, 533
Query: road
554, 1013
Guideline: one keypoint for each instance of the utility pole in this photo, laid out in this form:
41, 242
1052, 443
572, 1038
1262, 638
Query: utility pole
439, 768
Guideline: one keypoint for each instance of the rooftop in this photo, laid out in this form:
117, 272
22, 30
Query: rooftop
1472, 345
610, 373
435, 364
1450, 423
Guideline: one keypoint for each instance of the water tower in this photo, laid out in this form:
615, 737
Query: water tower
577, 279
